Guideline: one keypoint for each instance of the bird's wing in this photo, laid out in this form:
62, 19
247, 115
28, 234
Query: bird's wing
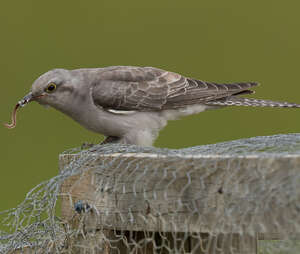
147, 89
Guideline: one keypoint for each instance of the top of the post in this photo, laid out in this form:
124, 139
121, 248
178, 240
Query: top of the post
283, 145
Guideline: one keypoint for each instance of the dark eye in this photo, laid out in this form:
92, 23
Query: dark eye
51, 87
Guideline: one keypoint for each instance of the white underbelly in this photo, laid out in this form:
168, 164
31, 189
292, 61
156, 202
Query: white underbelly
173, 114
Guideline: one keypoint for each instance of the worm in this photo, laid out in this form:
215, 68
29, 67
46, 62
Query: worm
13, 118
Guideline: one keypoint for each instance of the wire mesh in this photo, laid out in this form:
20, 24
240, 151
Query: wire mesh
218, 198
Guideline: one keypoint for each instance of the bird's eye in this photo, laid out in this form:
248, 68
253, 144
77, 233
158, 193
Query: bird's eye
51, 87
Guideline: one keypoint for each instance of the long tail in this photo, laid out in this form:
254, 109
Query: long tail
238, 101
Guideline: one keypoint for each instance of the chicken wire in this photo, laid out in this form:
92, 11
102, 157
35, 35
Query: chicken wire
218, 198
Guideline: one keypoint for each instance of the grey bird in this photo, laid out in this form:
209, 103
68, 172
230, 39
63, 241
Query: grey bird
130, 105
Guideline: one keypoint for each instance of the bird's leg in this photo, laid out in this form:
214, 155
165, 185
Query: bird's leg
86, 145
110, 140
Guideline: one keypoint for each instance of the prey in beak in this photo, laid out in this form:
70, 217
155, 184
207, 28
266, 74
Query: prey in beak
28, 98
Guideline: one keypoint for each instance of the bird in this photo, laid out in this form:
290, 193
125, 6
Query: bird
130, 105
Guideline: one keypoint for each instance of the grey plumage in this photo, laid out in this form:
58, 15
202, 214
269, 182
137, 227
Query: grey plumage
132, 104
148, 89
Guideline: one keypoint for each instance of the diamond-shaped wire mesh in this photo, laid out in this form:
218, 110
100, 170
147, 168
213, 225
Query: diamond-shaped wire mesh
219, 198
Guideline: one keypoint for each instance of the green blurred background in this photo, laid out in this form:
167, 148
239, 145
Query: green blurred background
221, 41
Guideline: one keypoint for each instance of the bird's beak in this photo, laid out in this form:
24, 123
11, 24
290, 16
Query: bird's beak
28, 98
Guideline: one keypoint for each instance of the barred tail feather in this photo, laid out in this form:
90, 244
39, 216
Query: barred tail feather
238, 101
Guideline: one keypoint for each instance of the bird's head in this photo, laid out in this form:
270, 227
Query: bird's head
50, 89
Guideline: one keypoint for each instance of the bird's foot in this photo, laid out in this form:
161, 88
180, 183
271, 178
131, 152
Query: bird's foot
110, 140
86, 145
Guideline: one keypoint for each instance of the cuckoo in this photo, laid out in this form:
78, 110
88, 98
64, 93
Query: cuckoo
130, 105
